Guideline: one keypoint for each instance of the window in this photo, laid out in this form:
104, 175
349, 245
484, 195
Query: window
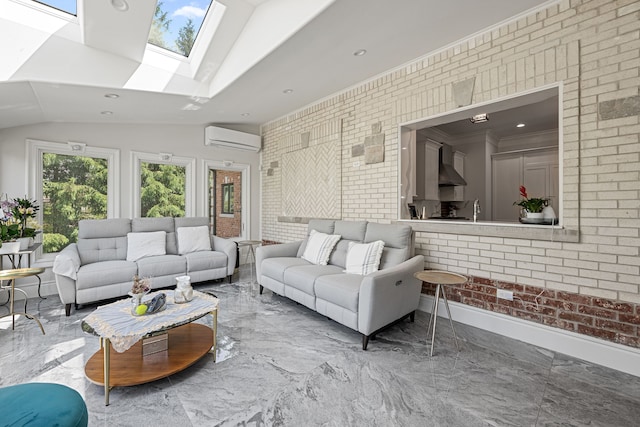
68, 6
176, 24
71, 182
227, 199
519, 144
162, 185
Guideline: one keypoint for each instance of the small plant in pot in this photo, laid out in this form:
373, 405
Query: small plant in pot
532, 206
9, 228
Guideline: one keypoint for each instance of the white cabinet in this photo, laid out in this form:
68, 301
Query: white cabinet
537, 170
431, 168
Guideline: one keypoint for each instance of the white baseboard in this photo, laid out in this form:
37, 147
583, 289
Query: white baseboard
605, 353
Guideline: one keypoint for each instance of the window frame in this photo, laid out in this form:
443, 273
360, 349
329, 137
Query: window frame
230, 189
189, 163
34, 157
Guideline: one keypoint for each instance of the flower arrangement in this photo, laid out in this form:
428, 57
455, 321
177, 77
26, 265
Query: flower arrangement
531, 204
23, 211
141, 285
9, 228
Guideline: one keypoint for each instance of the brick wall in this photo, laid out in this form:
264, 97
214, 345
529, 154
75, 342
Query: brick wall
229, 226
592, 49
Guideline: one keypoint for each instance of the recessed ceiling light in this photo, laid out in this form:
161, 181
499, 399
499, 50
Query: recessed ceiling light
120, 5
106, 113
245, 114
520, 125
360, 52
287, 91
112, 95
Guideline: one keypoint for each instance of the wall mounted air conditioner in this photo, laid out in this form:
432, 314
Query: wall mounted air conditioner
226, 138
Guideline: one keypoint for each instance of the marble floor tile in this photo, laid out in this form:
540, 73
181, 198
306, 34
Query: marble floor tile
281, 364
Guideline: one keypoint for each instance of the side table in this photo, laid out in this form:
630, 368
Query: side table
250, 244
440, 279
16, 260
12, 275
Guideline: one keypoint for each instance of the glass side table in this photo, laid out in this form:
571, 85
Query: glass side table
251, 244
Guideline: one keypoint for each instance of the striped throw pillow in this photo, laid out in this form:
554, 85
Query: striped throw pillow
319, 247
364, 258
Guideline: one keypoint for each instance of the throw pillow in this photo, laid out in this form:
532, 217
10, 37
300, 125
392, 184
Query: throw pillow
319, 247
140, 245
364, 258
193, 239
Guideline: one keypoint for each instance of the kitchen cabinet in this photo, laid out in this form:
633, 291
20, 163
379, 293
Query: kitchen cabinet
431, 168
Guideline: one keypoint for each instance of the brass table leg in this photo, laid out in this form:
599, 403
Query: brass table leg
107, 355
214, 320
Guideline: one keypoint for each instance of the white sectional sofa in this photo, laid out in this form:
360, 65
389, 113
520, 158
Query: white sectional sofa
366, 303
110, 252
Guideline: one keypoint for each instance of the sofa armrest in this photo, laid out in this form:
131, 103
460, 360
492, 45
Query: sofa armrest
65, 268
229, 248
275, 251
387, 295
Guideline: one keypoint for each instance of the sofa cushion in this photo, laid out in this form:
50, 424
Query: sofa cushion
398, 242
158, 224
193, 239
140, 245
303, 277
106, 273
97, 228
161, 265
322, 225
275, 267
205, 260
364, 258
102, 249
340, 289
319, 247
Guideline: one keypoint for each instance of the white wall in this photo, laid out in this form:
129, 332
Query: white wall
186, 141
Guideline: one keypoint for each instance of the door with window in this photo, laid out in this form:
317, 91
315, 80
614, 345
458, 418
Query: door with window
225, 203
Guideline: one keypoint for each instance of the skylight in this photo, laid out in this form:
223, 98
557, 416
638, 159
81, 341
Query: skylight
68, 6
176, 24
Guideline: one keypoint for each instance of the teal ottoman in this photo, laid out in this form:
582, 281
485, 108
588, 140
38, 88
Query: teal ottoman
42, 404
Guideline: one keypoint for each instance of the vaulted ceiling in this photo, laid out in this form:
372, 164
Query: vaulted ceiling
58, 68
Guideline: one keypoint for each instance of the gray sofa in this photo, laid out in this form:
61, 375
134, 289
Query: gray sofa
96, 267
366, 303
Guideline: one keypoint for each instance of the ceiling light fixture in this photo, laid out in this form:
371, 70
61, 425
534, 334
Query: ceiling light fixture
480, 118
120, 5
112, 95
287, 91
106, 113
520, 125
245, 114
360, 52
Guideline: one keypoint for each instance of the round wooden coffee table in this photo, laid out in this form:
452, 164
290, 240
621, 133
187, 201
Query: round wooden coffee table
440, 279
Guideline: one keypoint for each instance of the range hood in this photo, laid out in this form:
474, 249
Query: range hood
447, 175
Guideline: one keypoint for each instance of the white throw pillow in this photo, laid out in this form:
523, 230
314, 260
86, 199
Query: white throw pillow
140, 245
193, 239
319, 247
364, 258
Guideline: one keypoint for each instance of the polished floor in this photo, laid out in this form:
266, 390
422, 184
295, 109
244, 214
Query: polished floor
280, 364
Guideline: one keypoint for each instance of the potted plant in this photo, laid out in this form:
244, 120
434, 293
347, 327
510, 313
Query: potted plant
24, 210
9, 228
532, 206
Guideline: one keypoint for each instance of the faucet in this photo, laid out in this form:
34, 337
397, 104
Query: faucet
476, 209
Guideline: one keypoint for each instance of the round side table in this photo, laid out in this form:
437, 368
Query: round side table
440, 279
251, 244
12, 275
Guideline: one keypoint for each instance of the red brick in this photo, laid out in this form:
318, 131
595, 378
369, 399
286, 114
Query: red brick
528, 316
476, 287
510, 286
629, 318
599, 333
622, 327
569, 326
597, 312
580, 299
574, 317
484, 297
473, 302
499, 308
535, 291
564, 305
481, 280
546, 311
627, 340
462, 293
612, 305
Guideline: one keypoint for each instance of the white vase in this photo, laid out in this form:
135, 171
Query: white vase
9, 247
535, 215
548, 213
184, 291
25, 242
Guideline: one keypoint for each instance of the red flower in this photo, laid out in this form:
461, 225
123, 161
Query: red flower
523, 192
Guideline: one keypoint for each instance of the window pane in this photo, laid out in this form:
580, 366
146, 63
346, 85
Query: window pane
227, 199
74, 188
176, 24
162, 191
68, 6
225, 202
